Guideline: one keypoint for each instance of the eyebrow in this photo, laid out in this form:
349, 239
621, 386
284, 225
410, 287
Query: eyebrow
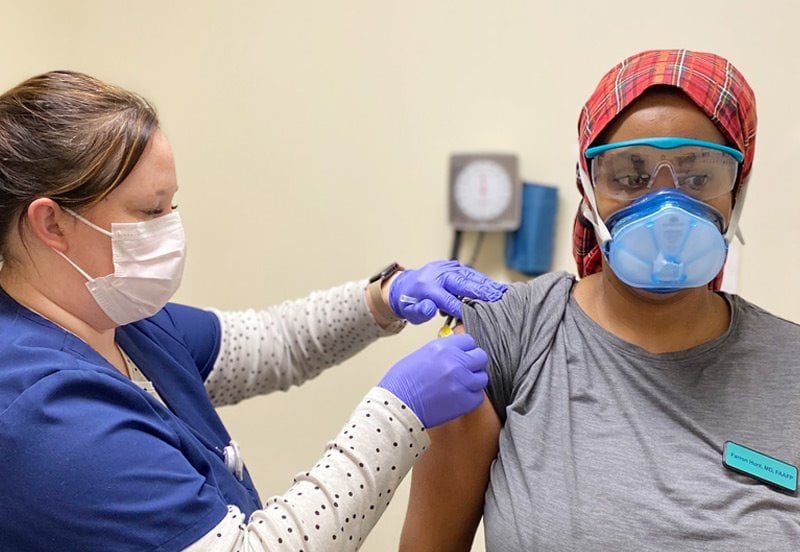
164, 191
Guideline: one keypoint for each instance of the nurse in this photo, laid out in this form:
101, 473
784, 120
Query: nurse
108, 435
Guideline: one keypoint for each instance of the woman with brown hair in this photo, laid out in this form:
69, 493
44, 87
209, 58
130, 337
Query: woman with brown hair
108, 435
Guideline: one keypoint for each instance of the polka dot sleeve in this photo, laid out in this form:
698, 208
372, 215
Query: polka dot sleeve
333, 506
273, 349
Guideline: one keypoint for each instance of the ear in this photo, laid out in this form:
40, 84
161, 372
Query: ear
45, 220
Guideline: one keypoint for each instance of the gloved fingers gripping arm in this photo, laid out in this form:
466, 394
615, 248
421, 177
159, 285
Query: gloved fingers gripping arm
442, 380
467, 282
478, 379
417, 294
446, 297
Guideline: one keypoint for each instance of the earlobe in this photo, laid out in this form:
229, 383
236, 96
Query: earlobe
45, 219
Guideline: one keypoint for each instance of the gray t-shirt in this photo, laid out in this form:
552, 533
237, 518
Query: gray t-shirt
605, 446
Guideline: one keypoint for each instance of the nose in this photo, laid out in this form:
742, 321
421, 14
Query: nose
663, 177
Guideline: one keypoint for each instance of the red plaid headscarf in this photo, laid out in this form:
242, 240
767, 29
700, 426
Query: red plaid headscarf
710, 81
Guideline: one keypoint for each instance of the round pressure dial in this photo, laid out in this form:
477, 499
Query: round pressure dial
484, 193
483, 190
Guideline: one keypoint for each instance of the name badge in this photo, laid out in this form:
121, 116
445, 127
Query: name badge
769, 470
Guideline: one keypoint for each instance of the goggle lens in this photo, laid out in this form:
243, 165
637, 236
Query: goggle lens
626, 172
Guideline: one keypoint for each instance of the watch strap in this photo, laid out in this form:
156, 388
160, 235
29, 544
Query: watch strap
386, 272
376, 297
388, 318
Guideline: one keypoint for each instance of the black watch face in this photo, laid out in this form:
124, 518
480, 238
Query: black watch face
385, 273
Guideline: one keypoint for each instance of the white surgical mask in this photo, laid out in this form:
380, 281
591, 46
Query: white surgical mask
148, 266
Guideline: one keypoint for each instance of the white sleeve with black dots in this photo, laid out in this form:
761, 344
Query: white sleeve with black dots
273, 349
336, 504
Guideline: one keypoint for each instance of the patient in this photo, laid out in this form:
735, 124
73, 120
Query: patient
612, 396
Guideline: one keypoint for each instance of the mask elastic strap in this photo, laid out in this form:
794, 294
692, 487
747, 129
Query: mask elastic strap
590, 211
733, 226
76, 267
91, 225
87, 222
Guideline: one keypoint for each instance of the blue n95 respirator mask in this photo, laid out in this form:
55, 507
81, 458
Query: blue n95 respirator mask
666, 238
665, 241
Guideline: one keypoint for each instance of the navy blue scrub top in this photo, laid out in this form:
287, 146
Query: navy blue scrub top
88, 460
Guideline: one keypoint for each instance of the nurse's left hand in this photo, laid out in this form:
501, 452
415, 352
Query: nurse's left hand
416, 295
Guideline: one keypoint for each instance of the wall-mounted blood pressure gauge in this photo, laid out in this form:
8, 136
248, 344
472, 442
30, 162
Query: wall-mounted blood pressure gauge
484, 192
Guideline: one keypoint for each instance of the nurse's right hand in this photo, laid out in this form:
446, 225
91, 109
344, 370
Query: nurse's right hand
442, 380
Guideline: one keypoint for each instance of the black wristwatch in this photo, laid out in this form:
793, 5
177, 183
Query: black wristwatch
376, 296
386, 272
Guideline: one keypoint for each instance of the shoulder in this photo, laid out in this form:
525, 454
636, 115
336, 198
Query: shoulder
547, 293
551, 286
533, 308
179, 320
182, 331
753, 320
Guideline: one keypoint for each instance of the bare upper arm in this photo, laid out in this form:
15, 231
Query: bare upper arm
448, 483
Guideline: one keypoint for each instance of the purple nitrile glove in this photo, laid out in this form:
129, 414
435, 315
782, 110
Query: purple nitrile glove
442, 380
416, 295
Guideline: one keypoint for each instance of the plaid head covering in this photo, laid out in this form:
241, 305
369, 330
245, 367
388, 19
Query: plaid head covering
710, 81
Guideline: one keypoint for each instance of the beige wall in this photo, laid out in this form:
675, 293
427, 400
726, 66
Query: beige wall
312, 140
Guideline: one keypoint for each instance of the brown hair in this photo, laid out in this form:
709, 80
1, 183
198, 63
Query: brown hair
67, 136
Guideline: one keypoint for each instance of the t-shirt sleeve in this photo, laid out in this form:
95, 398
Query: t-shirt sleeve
88, 456
492, 326
516, 332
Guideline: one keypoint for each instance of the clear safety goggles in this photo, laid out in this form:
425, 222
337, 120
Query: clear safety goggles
627, 170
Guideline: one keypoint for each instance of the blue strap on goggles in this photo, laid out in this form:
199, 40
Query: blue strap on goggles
665, 142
